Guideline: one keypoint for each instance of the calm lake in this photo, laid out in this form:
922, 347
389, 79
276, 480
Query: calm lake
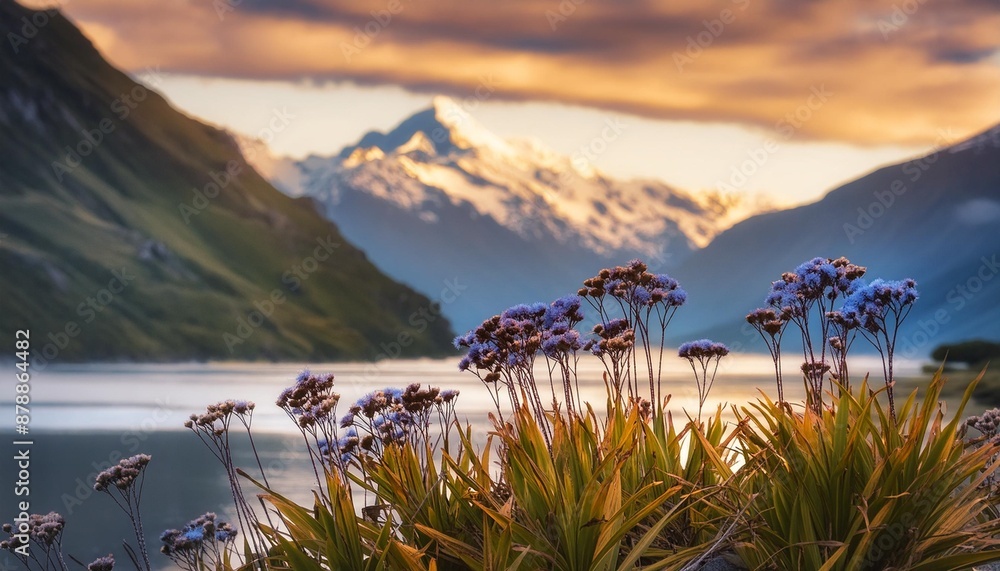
85, 417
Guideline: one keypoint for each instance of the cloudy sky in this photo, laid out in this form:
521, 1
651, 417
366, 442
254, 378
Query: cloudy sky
814, 92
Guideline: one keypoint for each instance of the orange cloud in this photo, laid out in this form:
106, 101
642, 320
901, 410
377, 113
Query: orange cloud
891, 71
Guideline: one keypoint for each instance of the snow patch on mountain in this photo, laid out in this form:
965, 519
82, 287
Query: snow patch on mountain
442, 155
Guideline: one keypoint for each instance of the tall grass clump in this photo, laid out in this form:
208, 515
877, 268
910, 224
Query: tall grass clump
851, 488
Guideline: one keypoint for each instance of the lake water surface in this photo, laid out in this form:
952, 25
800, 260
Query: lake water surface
85, 417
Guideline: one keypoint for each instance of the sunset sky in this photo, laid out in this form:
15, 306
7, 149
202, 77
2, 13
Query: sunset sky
838, 87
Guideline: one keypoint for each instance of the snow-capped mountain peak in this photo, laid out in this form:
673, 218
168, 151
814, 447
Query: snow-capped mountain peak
362, 155
463, 130
442, 158
445, 125
441, 193
418, 143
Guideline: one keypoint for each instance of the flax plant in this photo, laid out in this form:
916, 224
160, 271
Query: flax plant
850, 488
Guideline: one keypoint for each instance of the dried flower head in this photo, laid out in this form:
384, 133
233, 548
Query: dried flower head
702, 349
767, 321
613, 338
310, 400
196, 535
123, 474
870, 305
815, 369
988, 423
635, 286
106, 563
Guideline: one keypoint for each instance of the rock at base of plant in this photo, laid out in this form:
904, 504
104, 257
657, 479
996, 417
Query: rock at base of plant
725, 562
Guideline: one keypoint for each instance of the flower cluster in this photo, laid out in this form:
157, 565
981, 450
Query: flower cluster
614, 338
311, 404
565, 310
106, 563
201, 540
205, 528
13, 541
559, 338
812, 281
635, 286
704, 352
988, 424
812, 369
123, 474
648, 302
215, 419
770, 325
702, 349
311, 399
344, 447
766, 321
806, 297
879, 309
123, 484
213, 428
869, 305
45, 530
512, 338
631, 304
503, 349
505, 341
392, 416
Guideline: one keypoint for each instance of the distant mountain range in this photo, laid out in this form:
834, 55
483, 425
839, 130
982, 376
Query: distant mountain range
441, 198
935, 218
131, 231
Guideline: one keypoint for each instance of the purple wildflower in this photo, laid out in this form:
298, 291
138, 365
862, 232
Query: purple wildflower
705, 352
123, 474
702, 348
102, 563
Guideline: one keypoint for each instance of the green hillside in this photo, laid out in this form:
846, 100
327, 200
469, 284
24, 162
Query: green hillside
101, 176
